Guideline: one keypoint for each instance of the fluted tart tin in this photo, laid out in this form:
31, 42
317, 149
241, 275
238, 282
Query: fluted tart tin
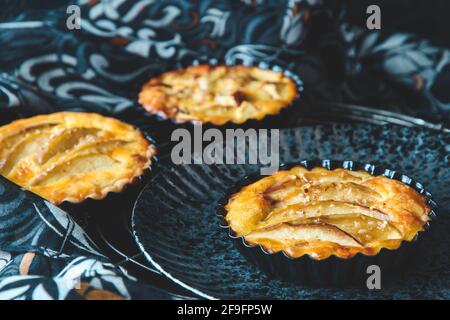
333, 271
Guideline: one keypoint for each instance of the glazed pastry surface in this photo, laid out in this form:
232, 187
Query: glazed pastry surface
217, 94
322, 212
71, 156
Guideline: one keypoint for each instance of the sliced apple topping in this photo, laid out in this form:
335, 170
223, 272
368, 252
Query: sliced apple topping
27, 146
316, 209
83, 159
266, 75
78, 166
10, 138
363, 228
63, 141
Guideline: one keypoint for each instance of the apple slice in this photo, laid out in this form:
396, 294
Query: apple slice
10, 139
344, 192
320, 209
266, 75
364, 229
24, 148
290, 234
87, 157
63, 141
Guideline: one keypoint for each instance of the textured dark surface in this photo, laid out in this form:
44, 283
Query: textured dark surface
175, 219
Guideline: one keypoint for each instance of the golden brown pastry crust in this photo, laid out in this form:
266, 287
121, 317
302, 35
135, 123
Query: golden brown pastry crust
72, 156
218, 94
321, 213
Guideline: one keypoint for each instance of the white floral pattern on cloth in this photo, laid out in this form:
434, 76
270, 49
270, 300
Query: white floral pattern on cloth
58, 260
74, 279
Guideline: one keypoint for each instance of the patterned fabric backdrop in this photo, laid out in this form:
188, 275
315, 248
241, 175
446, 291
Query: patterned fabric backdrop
44, 67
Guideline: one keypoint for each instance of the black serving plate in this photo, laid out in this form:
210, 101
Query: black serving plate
176, 225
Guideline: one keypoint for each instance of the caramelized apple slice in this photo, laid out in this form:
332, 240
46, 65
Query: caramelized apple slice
266, 75
9, 139
77, 166
27, 146
320, 209
290, 234
322, 175
363, 228
284, 189
344, 192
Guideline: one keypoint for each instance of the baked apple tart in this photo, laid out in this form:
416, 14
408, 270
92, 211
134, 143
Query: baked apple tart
71, 156
218, 94
322, 212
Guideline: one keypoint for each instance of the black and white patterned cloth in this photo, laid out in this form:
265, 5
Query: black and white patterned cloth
44, 67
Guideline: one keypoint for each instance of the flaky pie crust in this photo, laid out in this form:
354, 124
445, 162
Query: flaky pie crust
72, 156
322, 212
218, 94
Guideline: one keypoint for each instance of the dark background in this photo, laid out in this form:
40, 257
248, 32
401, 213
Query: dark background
428, 20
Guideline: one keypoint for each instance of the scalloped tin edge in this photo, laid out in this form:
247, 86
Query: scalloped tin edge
333, 271
250, 123
84, 210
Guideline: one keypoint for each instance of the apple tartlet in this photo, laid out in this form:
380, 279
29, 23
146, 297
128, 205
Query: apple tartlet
218, 94
71, 156
322, 212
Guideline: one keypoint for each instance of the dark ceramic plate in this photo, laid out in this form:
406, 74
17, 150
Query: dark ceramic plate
176, 226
